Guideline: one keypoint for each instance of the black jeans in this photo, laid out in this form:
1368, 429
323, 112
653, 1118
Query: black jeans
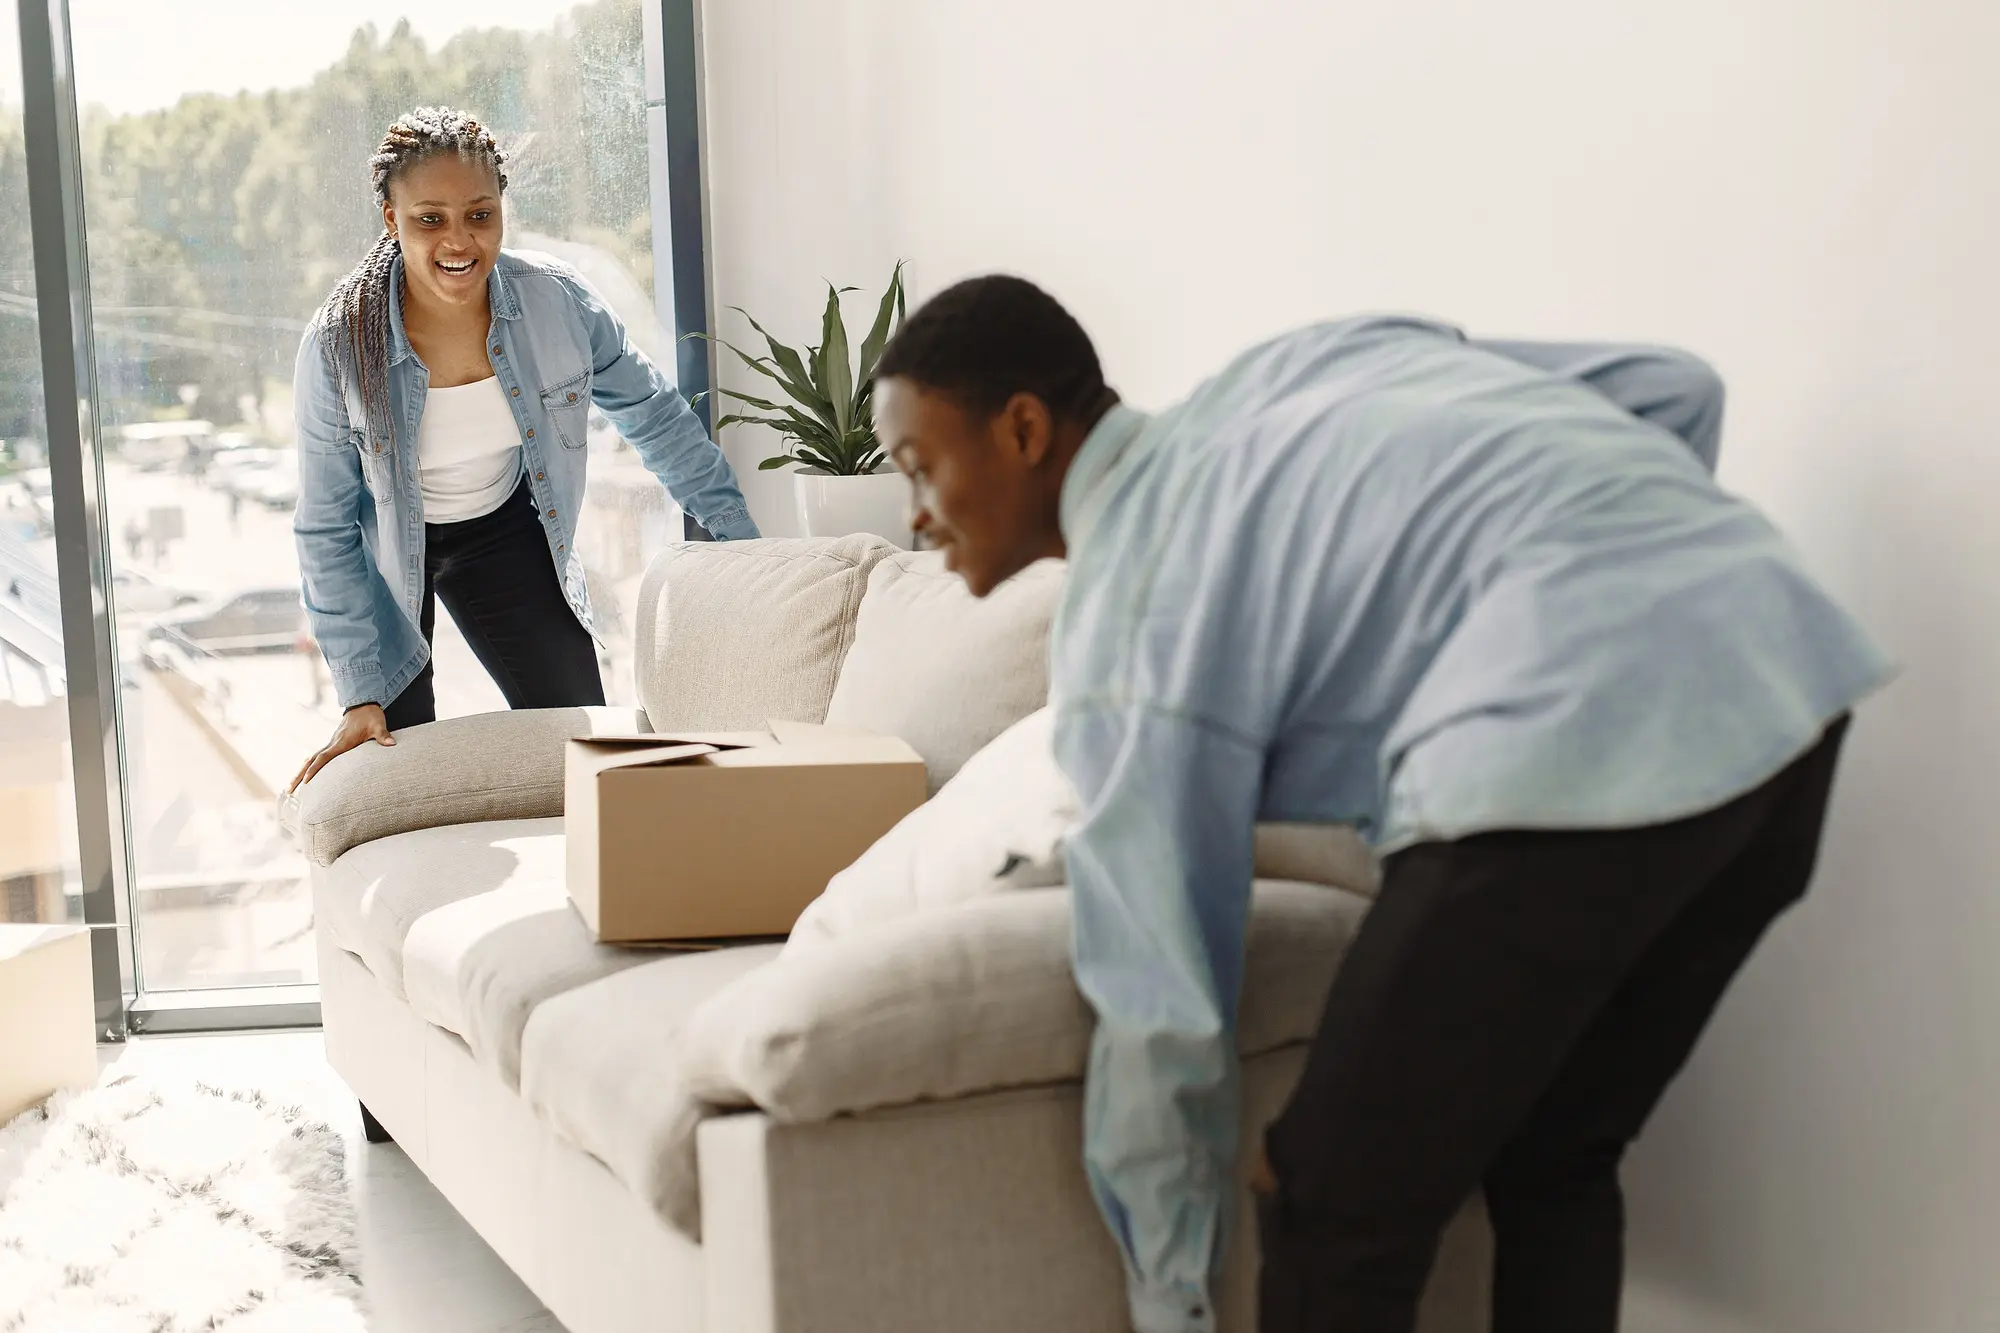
495, 576
1507, 1019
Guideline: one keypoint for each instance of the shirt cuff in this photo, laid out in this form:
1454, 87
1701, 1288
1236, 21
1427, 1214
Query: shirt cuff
1169, 1310
732, 525
358, 685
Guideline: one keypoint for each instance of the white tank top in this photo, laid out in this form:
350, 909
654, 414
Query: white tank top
468, 451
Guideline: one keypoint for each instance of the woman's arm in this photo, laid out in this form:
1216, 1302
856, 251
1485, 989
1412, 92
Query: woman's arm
1673, 389
334, 570
651, 413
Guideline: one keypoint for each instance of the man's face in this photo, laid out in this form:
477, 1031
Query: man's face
983, 492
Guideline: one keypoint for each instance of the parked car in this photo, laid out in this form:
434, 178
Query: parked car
260, 620
152, 446
237, 471
277, 486
41, 495
223, 445
136, 594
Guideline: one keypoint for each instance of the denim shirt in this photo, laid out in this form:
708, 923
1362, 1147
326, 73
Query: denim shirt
1375, 574
556, 347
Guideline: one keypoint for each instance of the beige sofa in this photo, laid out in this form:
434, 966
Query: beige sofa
886, 1139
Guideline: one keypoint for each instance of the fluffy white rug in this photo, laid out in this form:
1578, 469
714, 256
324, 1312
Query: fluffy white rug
150, 1205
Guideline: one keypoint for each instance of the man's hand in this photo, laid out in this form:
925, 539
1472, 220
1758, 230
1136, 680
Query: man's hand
363, 722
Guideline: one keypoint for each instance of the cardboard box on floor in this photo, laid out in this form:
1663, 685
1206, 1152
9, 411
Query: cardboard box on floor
48, 1014
721, 835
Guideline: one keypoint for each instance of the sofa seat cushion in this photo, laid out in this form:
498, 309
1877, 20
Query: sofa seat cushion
598, 1067
370, 897
976, 997
942, 669
480, 966
732, 634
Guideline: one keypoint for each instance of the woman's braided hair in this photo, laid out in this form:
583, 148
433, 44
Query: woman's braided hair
354, 321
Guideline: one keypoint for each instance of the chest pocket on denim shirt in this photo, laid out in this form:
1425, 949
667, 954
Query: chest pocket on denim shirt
568, 406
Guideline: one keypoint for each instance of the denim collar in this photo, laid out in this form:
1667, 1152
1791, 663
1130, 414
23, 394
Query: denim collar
499, 296
1082, 499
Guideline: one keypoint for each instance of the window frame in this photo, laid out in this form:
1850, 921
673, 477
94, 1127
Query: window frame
102, 782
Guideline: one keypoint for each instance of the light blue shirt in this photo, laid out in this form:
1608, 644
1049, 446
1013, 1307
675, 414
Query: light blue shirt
1375, 574
556, 347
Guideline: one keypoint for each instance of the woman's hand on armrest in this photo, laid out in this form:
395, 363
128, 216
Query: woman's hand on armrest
359, 724
462, 770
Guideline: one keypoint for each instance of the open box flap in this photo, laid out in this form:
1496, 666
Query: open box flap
621, 753
721, 740
786, 744
840, 744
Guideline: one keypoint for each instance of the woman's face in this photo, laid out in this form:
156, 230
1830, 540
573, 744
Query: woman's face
446, 212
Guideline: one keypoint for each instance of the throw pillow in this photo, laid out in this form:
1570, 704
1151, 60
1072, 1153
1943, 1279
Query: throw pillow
942, 669
998, 824
732, 634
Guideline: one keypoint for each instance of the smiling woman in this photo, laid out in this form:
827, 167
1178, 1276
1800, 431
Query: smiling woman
441, 396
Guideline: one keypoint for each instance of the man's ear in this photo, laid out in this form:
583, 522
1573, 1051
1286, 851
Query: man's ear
1027, 429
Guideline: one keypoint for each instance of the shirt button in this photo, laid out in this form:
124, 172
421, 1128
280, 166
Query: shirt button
560, 546
539, 477
552, 513
531, 432
496, 349
572, 398
516, 392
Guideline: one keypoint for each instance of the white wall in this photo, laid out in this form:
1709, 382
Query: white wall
1803, 190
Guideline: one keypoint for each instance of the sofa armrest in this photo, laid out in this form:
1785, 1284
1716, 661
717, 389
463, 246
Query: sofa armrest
459, 771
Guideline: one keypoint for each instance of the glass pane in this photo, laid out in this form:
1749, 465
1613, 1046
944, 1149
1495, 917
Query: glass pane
39, 879
223, 199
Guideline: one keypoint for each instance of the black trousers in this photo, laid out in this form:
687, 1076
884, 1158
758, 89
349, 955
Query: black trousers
1507, 1019
494, 575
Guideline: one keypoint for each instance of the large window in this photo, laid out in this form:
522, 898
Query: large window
38, 853
222, 198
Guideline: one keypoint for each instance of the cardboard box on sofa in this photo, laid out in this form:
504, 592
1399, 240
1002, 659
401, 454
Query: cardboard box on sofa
719, 835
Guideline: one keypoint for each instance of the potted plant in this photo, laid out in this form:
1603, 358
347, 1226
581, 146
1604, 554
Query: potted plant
825, 418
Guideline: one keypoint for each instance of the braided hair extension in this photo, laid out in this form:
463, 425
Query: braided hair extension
354, 320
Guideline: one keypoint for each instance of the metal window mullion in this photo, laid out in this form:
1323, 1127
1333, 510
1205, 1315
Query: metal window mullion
62, 295
673, 83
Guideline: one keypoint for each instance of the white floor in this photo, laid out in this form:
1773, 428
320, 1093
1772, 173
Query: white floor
424, 1268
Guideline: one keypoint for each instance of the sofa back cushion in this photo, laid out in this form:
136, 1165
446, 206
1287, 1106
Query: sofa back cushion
733, 634
942, 669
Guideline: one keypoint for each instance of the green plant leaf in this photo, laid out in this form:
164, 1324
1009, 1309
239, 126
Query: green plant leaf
759, 364
879, 331
747, 400
778, 424
824, 462
771, 463
836, 373
797, 380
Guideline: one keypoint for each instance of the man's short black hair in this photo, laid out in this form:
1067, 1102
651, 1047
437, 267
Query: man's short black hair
986, 339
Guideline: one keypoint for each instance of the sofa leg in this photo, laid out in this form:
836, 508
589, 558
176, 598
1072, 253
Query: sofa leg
371, 1128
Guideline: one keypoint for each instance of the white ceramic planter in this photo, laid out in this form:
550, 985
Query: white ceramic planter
832, 506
